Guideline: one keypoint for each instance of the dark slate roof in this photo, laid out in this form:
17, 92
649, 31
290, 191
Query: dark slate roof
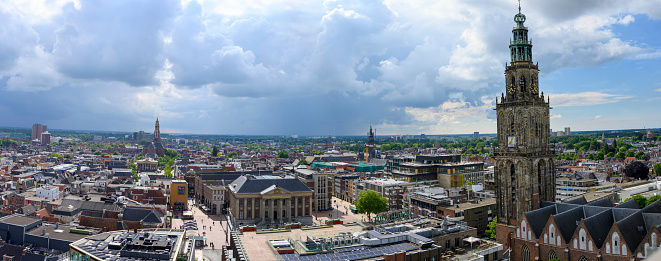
146, 215
152, 145
652, 219
578, 201
28, 210
591, 210
562, 207
538, 218
547, 203
567, 221
629, 204
633, 229
599, 226
602, 202
622, 213
655, 207
244, 185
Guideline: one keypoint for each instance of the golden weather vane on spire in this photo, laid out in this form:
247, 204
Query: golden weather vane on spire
519, 6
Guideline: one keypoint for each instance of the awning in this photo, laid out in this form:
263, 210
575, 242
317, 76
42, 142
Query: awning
471, 240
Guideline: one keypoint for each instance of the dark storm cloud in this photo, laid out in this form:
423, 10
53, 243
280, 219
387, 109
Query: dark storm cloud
114, 40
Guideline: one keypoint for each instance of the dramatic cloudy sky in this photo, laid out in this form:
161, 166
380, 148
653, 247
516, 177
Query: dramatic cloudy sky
320, 67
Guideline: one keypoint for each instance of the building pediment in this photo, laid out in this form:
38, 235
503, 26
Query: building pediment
274, 190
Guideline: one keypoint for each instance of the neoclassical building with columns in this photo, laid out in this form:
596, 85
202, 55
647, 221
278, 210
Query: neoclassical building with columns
269, 198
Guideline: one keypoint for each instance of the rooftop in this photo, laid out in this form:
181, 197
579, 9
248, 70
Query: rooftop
62, 232
19, 220
157, 244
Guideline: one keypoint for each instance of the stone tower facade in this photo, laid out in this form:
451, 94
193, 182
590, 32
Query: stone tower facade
524, 165
157, 131
369, 149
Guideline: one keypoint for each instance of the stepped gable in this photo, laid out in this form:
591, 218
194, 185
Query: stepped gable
598, 225
538, 218
633, 229
567, 222
632, 204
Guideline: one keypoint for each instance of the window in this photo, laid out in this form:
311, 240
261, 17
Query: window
583, 258
552, 255
581, 234
525, 253
615, 239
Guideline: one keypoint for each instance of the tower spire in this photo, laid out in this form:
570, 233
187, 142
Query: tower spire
519, 6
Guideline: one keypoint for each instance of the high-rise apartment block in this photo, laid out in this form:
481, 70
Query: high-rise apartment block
37, 130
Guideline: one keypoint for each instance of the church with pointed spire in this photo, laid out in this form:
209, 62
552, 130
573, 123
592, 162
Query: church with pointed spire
156, 148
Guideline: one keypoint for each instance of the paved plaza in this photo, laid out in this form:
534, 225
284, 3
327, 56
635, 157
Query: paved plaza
210, 227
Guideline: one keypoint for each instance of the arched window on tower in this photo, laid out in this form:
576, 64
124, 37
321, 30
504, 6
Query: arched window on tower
513, 188
522, 83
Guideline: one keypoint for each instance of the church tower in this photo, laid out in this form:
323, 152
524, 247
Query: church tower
524, 166
369, 149
157, 132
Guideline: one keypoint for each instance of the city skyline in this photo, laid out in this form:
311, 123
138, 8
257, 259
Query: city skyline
319, 68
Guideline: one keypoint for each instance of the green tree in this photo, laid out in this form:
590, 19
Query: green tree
600, 156
610, 154
630, 154
371, 202
56, 155
168, 171
590, 157
67, 156
302, 162
134, 171
652, 199
640, 155
620, 155
639, 199
116, 153
491, 228
468, 183
657, 168
214, 151
232, 154
142, 142
283, 154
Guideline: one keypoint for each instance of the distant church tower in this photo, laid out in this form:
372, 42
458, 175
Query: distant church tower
155, 148
157, 132
524, 165
369, 149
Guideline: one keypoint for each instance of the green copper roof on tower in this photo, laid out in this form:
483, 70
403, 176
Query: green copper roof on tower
520, 46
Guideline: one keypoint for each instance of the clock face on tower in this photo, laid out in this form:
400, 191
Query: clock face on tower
534, 88
511, 89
